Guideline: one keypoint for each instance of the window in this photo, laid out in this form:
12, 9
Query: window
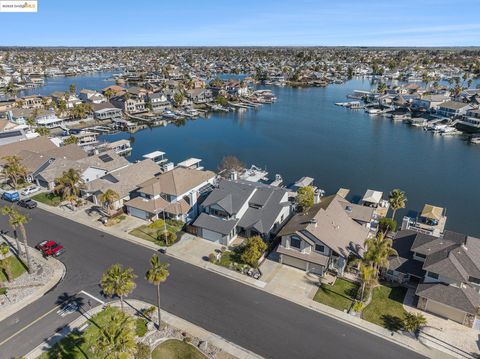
420, 255
432, 275
295, 242
319, 248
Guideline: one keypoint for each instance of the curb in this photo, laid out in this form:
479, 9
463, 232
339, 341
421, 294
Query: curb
177, 322
59, 271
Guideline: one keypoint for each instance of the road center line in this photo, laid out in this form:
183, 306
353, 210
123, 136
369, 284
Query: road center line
29, 325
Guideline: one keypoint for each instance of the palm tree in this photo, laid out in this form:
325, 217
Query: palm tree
412, 322
4, 266
367, 276
117, 338
118, 281
397, 200
18, 220
68, 186
14, 170
157, 274
109, 198
379, 250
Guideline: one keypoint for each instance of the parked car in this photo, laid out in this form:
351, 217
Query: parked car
30, 190
27, 203
50, 248
11, 196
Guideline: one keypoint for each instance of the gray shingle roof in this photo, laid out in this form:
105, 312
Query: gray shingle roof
466, 299
215, 224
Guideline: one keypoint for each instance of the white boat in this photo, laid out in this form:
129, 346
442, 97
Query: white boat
450, 131
475, 140
373, 111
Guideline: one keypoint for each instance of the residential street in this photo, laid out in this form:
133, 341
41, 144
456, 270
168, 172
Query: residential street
263, 323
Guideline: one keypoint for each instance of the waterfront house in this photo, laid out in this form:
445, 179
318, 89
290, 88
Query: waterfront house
173, 194
452, 109
446, 269
124, 181
71, 100
106, 111
429, 102
323, 238
470, 122
32, 101
242, 208
199, 95
158, 102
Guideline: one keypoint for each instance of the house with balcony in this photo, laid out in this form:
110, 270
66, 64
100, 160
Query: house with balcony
173, 194
240, 207
106, 111
324, 237
158, 102
452, 109
446, 269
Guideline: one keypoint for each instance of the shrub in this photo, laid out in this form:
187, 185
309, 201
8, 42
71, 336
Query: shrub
187, 339
148, 312
159, 223
253, 251
212, 258
141, 327
143, 351
167, 237
358, 307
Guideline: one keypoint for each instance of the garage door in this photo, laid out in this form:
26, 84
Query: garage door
315, 268
294, 262
137, 213
444, 311
211, 235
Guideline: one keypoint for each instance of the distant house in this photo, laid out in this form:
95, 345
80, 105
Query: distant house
199, 95
325, 236
429, 102
452, 109
242, 207
33, 101
159, 101
91, 96
106, 111
174, 193
448, 269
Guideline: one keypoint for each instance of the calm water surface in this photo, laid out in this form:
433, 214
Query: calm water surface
305, 134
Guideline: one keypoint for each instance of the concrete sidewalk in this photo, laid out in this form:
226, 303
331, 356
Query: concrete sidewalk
168, 318
58, 274
193, 250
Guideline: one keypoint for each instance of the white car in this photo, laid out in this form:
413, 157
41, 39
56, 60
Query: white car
30, 190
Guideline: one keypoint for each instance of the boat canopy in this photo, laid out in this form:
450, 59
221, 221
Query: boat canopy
432, 212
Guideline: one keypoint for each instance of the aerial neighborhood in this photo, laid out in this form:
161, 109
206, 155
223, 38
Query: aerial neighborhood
364, 259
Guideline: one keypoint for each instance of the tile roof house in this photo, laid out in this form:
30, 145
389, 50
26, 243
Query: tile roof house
124, 181
448, 268
90, 167
325, 236
242, 207
174, 193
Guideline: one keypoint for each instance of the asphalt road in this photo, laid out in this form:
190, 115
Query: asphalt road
261, 322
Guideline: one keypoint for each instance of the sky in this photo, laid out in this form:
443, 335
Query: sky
245, 23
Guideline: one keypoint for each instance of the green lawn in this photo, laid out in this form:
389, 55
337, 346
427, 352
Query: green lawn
17, 268
339, 296
150, 232
386, 308
141, 327
48, 198
176, 349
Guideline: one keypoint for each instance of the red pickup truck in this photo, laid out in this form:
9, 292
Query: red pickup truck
50, 248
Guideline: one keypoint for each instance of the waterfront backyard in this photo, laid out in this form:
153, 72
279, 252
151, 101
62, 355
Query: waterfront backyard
305, 134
